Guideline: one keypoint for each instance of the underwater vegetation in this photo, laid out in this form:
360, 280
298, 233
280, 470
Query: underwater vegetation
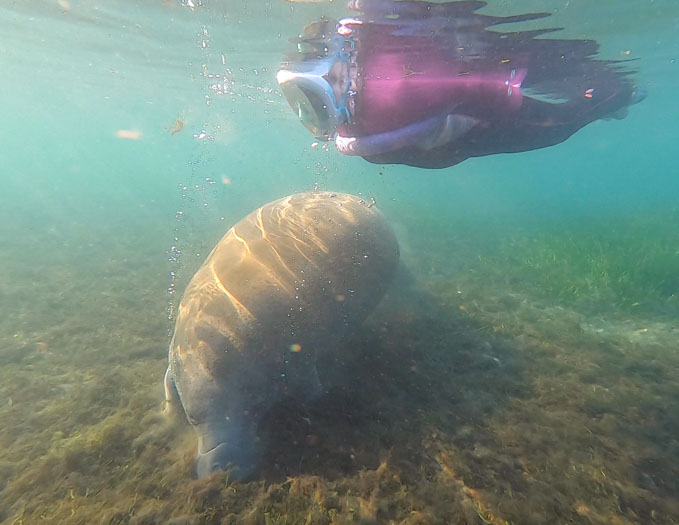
618, 265
505, 379
622, 268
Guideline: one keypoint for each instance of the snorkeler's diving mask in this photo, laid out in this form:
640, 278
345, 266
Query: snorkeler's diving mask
318, 88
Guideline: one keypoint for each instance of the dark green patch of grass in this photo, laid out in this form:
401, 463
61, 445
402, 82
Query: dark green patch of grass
628, 264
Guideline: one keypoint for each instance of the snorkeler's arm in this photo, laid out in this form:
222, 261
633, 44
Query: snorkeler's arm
425, 135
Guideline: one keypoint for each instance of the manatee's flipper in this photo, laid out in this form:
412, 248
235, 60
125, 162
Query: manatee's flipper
172, 402
312, 387
302, 378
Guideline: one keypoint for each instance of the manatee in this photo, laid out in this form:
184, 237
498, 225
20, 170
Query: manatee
288, 281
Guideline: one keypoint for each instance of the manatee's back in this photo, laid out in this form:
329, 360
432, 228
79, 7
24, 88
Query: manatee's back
295, 274
308, 262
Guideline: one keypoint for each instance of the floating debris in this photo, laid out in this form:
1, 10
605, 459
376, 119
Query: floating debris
130, 134
176, 127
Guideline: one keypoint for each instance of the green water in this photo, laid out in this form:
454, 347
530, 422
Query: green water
524, 367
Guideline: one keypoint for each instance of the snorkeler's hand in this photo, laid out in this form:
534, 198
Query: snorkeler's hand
452, 128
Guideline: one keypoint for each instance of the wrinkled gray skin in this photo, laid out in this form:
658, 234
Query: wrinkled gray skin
284, 283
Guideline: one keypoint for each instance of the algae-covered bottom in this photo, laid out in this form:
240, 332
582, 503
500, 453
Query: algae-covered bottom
529, 380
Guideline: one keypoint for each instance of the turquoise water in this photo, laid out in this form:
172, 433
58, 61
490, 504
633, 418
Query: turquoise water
544, 283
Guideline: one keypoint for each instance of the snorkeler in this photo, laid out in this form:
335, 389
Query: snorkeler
428, 85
